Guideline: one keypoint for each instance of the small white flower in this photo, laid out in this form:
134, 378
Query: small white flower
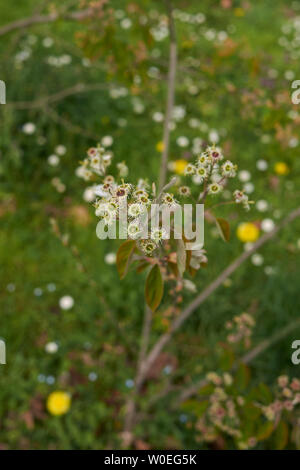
189, 285
215, 153
214, 136
204, 159
126, 23
99, 191
249, 188
229, 169
135, 210
201, 172
194, 123
244, 176
123, 169
214, 188
60, 150
289, 75
51, 347
261, 165
182, 141
248, 246
262, 205
110, 258
53, 160
134, 230
266, 139
158, 117
29, 128
107, 141
293, 142
179, 113
47, 42
129, 383
66, 302
89, 194
158, 234
270, 270
51, 287
184, 191
189, 169
267, 225
106, 212
93, 376
148, 246
257, 259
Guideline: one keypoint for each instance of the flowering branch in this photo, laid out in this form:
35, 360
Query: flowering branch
171, 95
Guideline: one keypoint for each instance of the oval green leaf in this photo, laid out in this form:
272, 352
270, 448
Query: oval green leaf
154, 288
123, 257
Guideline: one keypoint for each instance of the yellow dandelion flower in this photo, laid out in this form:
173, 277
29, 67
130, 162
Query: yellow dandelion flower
247, 232
239, 12
160, 146
281, 168
58, 403
179, 166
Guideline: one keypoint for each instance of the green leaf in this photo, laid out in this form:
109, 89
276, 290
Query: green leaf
195, 406
281, 436
181, 257
251, 412
154, 288
242, 377
224, 229
263, 394
123, 257
265, 431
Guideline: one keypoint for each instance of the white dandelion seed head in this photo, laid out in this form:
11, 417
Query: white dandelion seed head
51, 347
257, 259
110, 258
66, 302
267, 225
53, 160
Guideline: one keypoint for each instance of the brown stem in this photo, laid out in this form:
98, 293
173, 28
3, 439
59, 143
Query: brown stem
170, 96
145, 335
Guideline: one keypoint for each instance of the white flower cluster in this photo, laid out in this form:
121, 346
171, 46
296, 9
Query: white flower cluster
241, 198
96, 163
211, 170
111, 195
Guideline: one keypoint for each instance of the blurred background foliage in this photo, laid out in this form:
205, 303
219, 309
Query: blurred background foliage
237, 60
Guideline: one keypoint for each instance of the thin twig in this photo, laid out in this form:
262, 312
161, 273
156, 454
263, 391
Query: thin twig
73, 128
171, 95
145, 335
44, 19
59, 96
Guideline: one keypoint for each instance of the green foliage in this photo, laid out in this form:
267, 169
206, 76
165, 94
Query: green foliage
154, 288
